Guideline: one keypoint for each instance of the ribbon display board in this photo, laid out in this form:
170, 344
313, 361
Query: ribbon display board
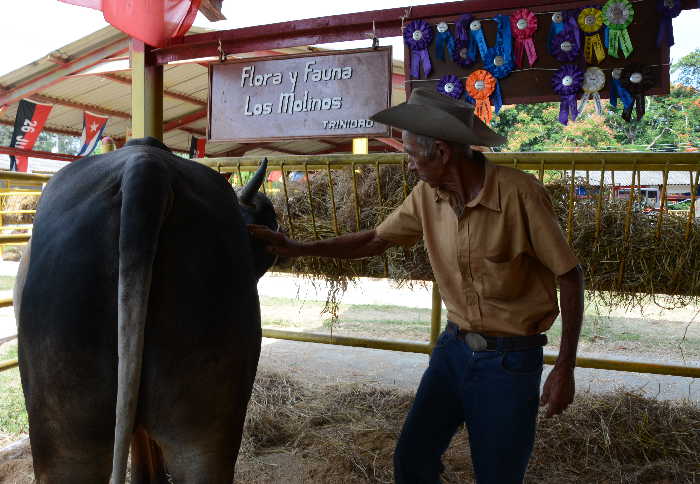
319, 95
533, 85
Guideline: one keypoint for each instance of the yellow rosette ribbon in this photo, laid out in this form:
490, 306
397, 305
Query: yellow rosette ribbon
591, 21
480, 85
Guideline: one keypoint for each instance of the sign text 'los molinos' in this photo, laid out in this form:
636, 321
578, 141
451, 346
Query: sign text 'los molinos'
304, 96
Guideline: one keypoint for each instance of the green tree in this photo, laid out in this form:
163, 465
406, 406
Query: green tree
687, 69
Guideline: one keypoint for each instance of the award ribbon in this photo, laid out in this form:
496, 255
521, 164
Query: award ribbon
617, 16
567, 83
593, 82
444, 39
417, 36
590, 20
564, 46
667, 9
637, 79
523, 25
480, 85
499, 58
450, 85
556, 28
616, 90
477, 40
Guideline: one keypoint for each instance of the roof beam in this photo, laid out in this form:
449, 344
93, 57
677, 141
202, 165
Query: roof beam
335, 28
393, 142
195, 131
84, 107
184, 120
37, 154
174, 95
212, 10
59, 72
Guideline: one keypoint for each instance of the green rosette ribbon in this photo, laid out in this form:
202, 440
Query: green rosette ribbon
618, 15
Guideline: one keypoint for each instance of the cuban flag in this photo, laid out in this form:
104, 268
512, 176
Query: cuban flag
29, 121
93, 126
197, 147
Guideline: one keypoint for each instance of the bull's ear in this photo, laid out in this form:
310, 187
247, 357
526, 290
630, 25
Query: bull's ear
253, 185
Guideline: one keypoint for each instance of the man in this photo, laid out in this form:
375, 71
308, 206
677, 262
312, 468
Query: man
496, 249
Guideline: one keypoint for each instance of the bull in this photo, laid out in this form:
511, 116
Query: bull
139, 320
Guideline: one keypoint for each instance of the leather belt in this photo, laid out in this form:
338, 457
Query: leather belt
482, 342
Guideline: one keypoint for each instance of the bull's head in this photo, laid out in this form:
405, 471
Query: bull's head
256, 208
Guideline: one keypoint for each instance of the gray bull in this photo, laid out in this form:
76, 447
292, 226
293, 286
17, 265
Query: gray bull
139, 320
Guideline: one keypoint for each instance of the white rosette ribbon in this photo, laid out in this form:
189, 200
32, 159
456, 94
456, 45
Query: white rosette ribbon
593, 82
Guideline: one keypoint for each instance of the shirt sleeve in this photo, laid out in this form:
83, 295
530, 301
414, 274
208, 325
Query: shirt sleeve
548, 241
403, 226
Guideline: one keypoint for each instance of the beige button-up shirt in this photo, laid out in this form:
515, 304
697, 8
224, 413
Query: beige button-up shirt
496, 262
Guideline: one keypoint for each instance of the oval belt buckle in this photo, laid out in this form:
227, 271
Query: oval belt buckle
476, 342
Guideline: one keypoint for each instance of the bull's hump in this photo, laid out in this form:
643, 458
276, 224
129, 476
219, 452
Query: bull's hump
148, 141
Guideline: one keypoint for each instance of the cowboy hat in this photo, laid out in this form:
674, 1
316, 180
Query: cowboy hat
429, 113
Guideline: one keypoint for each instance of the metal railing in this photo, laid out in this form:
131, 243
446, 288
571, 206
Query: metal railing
539, 163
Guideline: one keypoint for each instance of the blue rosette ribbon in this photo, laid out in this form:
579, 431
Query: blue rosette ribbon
564, 46
444, 38
667, 10
499, 58
477, 42
461, 55
617, 91
555, 28
417, 36
567, 82
450, 85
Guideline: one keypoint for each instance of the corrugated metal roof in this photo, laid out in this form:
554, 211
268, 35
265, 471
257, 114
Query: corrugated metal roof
105, 89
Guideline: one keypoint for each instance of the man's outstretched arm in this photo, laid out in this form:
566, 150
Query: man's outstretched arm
355, 245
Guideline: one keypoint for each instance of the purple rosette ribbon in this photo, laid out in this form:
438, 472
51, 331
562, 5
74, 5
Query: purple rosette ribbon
565, 47
667, 10
567, 82
450, 85
417, 36
460, 54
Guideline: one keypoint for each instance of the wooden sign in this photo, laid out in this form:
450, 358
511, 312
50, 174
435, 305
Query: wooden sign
320, 95
533, 84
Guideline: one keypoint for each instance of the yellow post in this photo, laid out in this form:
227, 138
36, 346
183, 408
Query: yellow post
435, 315
146, 93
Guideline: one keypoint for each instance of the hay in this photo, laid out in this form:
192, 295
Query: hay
348, 433
624, 271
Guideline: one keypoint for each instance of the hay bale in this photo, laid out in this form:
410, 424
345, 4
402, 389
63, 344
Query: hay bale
347, 433
626, 269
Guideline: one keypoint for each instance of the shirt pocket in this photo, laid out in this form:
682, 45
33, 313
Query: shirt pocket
505, 279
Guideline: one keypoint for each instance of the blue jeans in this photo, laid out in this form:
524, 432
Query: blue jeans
495, 393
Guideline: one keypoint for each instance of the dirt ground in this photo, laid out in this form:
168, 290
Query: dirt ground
321, 365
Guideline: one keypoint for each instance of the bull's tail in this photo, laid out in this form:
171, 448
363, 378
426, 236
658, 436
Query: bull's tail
146, 197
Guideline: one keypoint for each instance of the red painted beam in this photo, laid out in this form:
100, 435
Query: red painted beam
195, 131
184, 120
394, 143
83, 107
174, 95
336, 28
54, 76
46, 155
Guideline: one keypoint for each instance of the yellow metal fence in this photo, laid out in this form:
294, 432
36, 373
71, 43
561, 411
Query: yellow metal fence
538, 162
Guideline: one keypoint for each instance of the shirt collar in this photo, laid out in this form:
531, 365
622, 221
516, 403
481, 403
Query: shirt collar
489, 196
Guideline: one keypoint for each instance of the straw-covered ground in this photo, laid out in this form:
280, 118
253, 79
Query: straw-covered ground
629, 259
346, 434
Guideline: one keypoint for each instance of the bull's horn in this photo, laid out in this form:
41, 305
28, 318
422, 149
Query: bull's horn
253, 185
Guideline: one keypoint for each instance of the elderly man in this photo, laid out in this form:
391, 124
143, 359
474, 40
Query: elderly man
496, 250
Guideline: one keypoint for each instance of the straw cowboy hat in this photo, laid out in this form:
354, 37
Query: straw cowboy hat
430, 113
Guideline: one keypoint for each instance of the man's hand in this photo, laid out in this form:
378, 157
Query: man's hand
277, 242
558, 391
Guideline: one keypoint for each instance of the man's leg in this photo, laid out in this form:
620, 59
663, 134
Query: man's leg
432, 421
501, 396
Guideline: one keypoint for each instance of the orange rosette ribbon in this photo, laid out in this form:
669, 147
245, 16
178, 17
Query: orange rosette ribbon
480, 85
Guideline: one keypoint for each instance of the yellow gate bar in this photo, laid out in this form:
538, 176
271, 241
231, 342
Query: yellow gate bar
14, 239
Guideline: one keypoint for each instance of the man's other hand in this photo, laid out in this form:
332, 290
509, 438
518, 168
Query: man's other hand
277, 242
558, 391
